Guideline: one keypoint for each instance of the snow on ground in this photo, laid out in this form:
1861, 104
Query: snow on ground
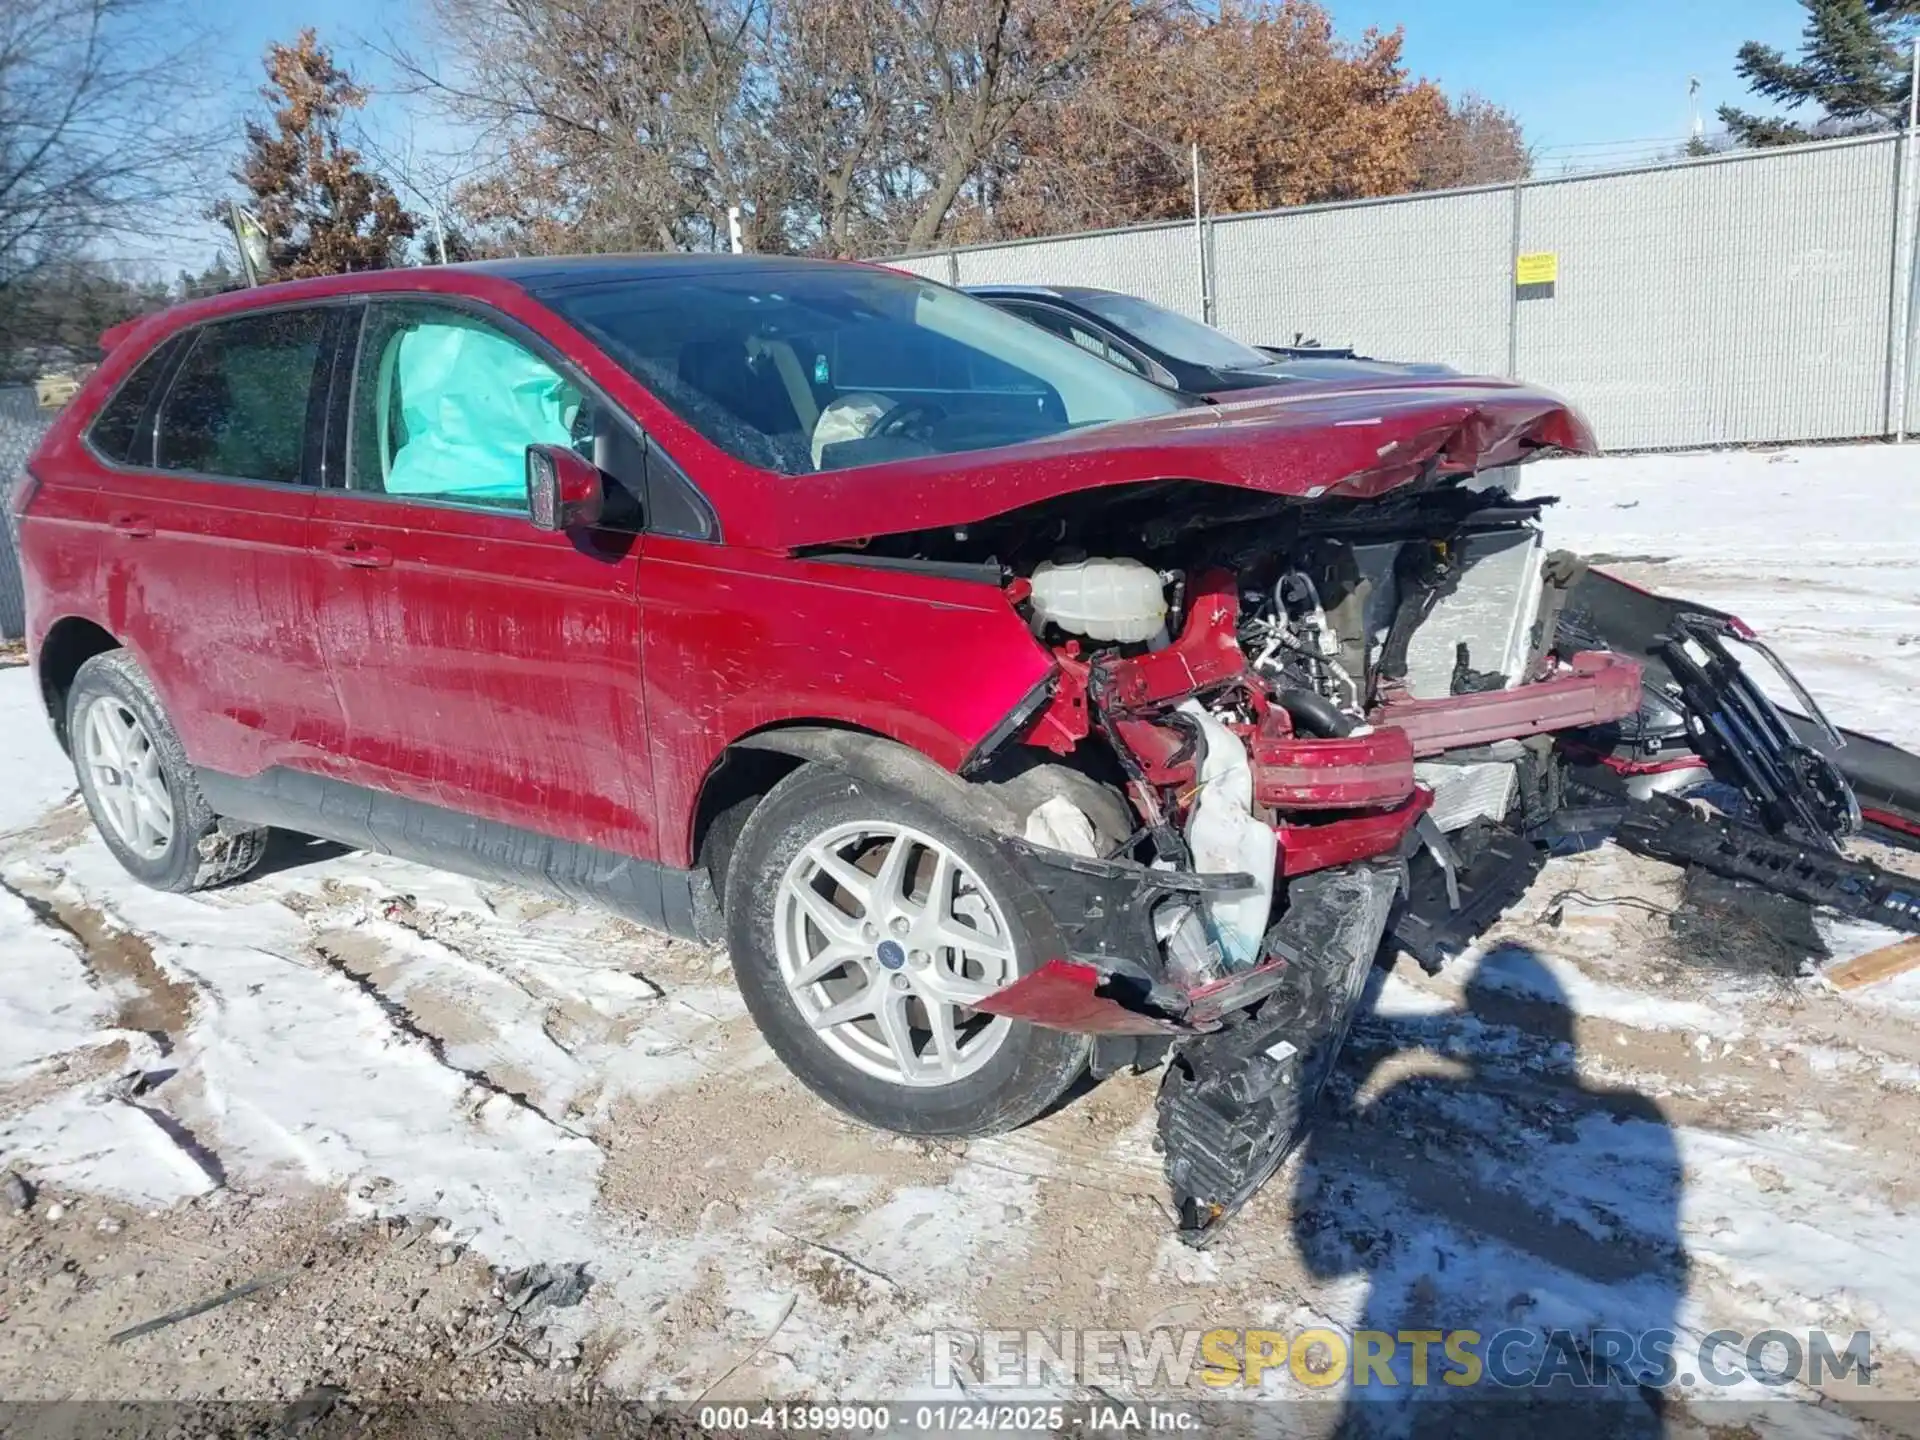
47, 1007
35, 773
1578, 1127
1813, 546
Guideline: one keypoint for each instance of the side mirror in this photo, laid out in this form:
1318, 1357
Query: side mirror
564, 489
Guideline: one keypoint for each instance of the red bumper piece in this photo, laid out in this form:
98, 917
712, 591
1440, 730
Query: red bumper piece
1353, 772
1304, 848
1063, 995
1599, 687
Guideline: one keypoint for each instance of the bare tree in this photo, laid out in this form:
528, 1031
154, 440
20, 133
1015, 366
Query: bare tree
621, 124
980, 64
842, 100
96, 142
431, 179
865, 126
833, 125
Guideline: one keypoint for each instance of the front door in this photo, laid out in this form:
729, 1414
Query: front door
483, 666
204, 556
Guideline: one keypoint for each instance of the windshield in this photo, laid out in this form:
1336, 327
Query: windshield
821, 368
1174, 334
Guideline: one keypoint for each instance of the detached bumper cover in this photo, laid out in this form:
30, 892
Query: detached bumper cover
1254, 1049
1107, 978
1235, 1102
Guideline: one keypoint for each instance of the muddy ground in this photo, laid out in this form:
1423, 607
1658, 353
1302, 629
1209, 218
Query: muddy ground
418, 1114
762, 1246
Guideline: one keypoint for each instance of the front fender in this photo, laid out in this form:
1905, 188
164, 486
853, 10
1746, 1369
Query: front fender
739, 642
890, 763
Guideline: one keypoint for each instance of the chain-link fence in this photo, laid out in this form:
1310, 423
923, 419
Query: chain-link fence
22, 422
1734, 299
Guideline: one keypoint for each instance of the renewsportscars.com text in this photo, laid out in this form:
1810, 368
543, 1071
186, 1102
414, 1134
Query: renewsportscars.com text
1223, 1359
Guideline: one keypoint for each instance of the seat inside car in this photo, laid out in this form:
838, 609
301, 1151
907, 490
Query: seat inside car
751, 391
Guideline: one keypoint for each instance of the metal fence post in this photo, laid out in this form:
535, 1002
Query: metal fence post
22, 423
1900, 332
1513, 289
953, 268
1200, 243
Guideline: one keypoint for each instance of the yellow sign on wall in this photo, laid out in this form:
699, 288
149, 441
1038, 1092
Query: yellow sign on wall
1537, 267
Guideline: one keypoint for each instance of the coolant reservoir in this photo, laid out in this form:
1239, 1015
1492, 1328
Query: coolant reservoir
1102, 599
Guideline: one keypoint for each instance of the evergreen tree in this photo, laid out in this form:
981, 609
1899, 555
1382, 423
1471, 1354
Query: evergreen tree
323, 210
1854, 67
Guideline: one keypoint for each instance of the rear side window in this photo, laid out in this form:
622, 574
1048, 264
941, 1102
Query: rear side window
238, 403
1066, 328
123, 433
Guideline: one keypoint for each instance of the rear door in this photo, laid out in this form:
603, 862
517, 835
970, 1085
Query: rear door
203, 554
483, 666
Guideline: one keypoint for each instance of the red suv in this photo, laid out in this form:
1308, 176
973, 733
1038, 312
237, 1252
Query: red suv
998, 709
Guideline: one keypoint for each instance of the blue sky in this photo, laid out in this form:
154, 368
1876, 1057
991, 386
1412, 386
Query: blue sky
1583, 72
1592, 81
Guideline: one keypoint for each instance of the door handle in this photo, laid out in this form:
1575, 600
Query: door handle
134, 527
362, 554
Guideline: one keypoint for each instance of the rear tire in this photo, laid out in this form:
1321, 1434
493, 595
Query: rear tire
140, 788
860, 987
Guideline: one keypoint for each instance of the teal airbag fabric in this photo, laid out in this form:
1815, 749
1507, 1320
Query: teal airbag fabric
470, 404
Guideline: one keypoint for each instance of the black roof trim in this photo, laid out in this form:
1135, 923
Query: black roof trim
544, 274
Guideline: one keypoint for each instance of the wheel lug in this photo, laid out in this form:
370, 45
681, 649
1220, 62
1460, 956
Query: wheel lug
870, 931
899, 925
919, 957
899, 982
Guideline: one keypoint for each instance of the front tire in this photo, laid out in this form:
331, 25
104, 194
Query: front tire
141, 790
861, 920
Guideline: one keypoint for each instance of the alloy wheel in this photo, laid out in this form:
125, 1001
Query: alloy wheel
127, 779
887, 942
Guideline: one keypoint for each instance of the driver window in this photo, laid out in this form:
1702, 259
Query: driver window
444, 406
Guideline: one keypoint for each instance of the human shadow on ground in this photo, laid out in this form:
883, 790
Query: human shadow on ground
1486, 1187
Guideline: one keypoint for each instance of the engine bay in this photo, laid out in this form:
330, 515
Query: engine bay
1279, 687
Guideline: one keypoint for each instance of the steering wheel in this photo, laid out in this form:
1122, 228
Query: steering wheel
901, 418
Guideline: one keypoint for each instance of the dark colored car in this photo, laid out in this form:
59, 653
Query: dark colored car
1174, 350
1001, 711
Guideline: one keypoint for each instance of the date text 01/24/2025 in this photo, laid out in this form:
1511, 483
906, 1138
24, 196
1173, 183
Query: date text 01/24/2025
948, 1417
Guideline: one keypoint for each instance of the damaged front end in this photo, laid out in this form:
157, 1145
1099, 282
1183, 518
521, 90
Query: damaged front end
1709, 773
1284, 700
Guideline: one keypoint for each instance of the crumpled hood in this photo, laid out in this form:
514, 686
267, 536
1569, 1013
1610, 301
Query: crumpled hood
1349, 440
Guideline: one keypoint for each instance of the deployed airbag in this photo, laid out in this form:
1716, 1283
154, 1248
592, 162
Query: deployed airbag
468, 403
